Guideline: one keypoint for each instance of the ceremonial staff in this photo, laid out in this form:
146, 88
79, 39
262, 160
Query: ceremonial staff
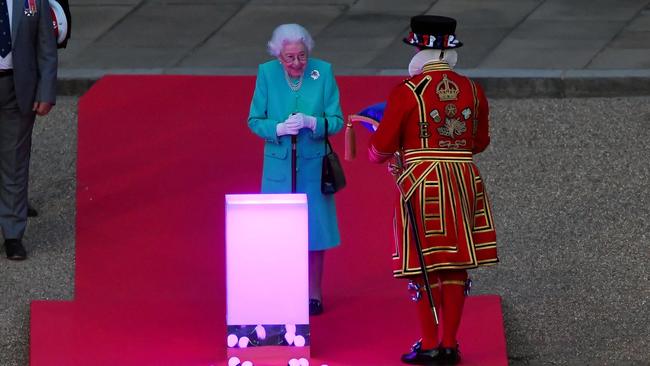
294, 140
418, 245
293, 163
370, 118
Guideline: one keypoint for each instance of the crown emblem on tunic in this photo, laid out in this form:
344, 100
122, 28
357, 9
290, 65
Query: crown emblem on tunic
447, 89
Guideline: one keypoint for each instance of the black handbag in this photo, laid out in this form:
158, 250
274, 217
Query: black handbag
332, 178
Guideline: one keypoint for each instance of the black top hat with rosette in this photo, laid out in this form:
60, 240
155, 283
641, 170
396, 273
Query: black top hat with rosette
433, 31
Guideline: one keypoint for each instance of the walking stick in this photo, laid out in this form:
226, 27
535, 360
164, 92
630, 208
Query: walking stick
371, 116
293, 164
418, 245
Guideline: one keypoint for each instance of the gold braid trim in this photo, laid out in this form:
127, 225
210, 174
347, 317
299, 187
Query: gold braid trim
418, 91
476, 105
459, 283
436, 66
422, 289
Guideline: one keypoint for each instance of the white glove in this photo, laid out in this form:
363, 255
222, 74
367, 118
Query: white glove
287, 127
303, 121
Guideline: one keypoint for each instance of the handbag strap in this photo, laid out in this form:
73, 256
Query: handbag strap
327, 140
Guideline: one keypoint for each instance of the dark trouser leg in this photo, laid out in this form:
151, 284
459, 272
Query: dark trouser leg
15, 149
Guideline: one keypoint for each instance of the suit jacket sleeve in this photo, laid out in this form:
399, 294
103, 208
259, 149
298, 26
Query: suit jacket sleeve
258, 120
46, 54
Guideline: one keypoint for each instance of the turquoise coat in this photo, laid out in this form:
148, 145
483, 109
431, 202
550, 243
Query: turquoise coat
273, 101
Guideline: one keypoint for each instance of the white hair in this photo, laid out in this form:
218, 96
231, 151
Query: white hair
289, 33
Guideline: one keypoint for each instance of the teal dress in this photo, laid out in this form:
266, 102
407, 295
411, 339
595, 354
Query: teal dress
273, 101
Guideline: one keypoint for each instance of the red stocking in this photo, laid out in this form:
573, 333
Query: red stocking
427, 321
453, 299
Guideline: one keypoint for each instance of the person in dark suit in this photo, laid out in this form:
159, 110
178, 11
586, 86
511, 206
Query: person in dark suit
62, 42
28, 67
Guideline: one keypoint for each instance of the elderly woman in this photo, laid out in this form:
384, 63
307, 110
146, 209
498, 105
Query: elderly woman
295, 97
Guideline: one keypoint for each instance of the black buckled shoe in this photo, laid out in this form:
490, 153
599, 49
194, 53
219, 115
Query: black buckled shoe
448, 356
419, 356
315, 307
15, 250
31, 211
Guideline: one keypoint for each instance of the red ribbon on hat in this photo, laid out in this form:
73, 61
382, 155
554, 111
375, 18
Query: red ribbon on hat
30, 7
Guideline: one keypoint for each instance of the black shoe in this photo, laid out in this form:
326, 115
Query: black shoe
448, 356
15, 250
419, 356
31, 211
315, 307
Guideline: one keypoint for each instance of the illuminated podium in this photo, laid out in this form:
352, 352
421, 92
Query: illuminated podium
267, 284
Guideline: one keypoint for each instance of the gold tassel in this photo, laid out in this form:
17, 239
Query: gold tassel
350, 143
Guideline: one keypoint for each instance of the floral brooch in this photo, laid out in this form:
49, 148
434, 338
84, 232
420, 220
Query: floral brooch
315, 74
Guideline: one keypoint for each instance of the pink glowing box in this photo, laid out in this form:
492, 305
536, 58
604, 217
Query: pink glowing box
267, 276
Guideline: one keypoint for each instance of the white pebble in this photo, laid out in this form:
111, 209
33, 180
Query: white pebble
243, 342
232, 340
299, 341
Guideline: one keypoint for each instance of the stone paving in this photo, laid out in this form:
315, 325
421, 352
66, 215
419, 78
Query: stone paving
504, 39
357, 34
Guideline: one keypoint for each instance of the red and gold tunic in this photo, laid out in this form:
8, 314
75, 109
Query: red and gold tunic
437, 120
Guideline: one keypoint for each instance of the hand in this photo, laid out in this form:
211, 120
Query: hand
286, 128
393, 169
42, 108
303, 121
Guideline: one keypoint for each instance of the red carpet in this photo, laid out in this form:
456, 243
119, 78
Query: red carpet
156, 154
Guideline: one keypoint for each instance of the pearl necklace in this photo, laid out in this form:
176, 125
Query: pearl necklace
295, 87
